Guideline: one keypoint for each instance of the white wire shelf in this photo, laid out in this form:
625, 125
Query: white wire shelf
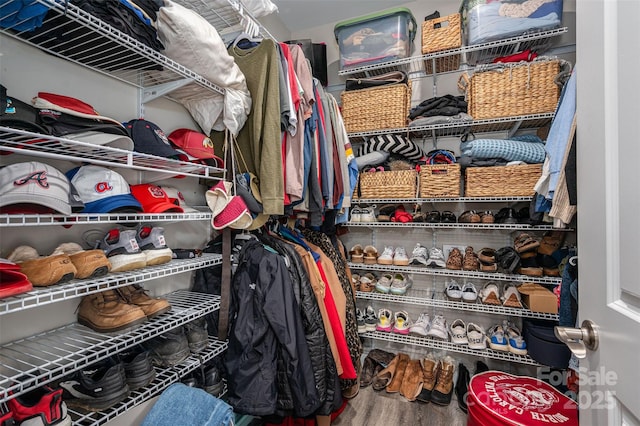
45, 146
164, 378
451, 347
485, 226
424, 270
472, 55
460, 306
14, 220
440, 200
40, 296
51, 355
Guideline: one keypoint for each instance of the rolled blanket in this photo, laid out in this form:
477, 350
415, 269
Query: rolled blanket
527, 148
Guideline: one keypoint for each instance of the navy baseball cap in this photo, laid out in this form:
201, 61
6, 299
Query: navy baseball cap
148, 138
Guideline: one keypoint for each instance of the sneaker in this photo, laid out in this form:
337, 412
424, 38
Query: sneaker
370, 319
122, 250
42, 406
458, 331
400, 257
135, 294
98, 387
399, 285
197, 335
356, 213
108, 311
419, 255
497, 338
438, 328
476, 337
368, 214
362, 327
469, 293
421, 326
138, 367
88, 263
43, 271
169, 349
386, 258
152, 243
401, 322
453, 291
384, 320
436, 258
368, 282
516, 342
383, 285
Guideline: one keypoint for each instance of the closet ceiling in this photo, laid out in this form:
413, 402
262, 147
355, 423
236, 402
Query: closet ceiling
300, 14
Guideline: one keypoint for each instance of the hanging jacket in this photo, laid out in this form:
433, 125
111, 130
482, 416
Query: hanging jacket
266, 322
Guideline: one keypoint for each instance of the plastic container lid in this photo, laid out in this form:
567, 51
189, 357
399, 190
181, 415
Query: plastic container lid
376, 16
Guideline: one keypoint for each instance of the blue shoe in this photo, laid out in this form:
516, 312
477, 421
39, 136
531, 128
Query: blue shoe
497, 338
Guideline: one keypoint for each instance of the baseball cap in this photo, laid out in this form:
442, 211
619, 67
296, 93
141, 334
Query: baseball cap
68, 105
154, 199
33, 187
196, 146
17, 114
103, 139
177, 198
148, 138
103, 190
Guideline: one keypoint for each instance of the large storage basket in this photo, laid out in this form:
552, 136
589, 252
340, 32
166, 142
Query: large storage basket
385, 107
507, 90
394, 184
440, 180
447, 36
502, 181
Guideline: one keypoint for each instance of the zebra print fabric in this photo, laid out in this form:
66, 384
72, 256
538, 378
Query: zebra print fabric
396, 144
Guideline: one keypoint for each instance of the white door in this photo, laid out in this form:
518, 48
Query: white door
608, 146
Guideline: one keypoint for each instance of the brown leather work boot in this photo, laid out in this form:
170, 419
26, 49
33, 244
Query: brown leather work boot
429, 376
43, 271
88, 263
108, 311
396, 381
443, 390
413, 380
152, 306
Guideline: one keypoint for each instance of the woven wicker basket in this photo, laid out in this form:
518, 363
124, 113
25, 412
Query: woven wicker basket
385, 107
448, 36
513, 89
440, 180
501, 181
395, 184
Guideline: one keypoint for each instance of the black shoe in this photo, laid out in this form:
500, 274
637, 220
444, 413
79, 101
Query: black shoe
192, 380
506, 215
462, 386
169, 349
481, 367
213, 381
137, 367
197, 335
97, 387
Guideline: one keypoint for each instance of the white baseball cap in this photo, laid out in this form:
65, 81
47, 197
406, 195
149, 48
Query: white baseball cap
103, 139
102, 190
176, 197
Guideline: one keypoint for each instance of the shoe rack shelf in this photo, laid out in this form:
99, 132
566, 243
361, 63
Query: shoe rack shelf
440, 200
486, 226
40, 296
448, 346
164, 378
45, 146
36, 360
12, 220
423, 270
477, 53
459, 306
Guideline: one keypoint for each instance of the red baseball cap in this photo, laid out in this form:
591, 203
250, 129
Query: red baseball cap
196, 145
154, 199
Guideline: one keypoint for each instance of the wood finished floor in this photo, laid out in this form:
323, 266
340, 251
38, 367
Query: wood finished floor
373, 408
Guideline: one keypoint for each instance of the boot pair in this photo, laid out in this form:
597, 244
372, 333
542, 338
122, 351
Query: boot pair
437, 386
403, 375
375, 361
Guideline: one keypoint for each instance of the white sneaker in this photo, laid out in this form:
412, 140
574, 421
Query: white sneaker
370, 319
401, 322
400, 257
453, 291
469, 293
458, 332
421, 326
362, 328
386, 258
399, 284
438, 328
385, 322
368, 214
419, 256
476, 337
384, 283
356, 214
436, 258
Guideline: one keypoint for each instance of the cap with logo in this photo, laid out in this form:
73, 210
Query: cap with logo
177, 198
196, 147
154, 199
103, 190
148, 138
33, 187
69, 105
17, 114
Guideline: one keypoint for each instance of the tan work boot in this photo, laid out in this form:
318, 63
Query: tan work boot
136, 295
43, 271
396, 381
443, 390
88, 263
413, 380
108, 311
429, 376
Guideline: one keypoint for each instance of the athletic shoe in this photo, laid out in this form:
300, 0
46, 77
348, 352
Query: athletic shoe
385, 323
453, 291
421, 326
152, 306
399, 284
516, 342
386, 258
400, 257
469, 293
383, 285
401, 322
476, 337
98, 387
458, 331
197, 335
42, 406
419, 255
138, 368
108, 311
370, 319
497, 338
169, 349
356, 214
368, 214
436, 258
362, 327
152, 243
88, 263
122, 250
438, 328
